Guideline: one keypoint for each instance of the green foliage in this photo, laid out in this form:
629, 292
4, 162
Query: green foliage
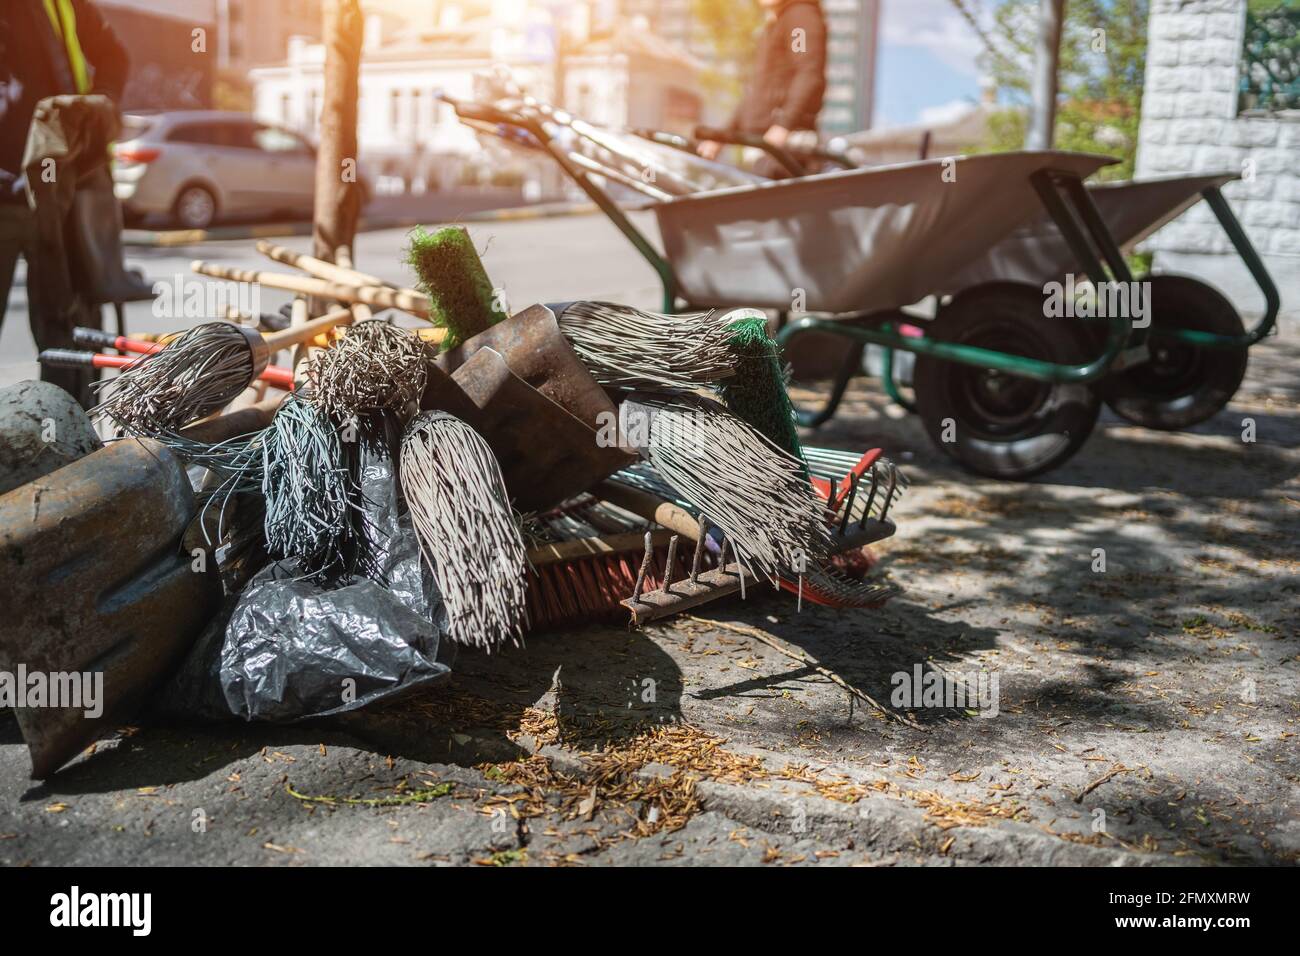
731, 28
1103, 64
1270, 62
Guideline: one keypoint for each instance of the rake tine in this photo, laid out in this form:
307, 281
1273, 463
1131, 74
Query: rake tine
871, 498
670, 565
848, 505
699, 550
889, 495
645, 566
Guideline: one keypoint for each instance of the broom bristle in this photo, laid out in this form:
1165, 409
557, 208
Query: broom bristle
307, 487
757, 393
449, 271
375, 367
195, 374
466, 530
735, 477
594, 588
627, 348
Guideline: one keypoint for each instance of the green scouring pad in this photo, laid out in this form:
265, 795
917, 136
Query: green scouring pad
756, 393
451, 274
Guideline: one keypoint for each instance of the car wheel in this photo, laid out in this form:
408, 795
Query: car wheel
195, 208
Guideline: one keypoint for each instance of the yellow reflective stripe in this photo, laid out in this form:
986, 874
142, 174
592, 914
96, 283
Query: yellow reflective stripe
64, 21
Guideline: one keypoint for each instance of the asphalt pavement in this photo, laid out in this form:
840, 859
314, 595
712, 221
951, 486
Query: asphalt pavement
1146, 714
538, 260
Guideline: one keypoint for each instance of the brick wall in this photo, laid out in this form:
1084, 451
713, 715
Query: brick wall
1190, 124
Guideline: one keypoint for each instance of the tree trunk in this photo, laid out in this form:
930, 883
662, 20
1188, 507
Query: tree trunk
1047, 64
338, 187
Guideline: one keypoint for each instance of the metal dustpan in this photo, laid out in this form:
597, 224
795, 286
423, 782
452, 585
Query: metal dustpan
538, 353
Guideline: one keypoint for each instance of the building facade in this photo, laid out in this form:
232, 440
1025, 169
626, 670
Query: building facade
172, 49
1214, 102
853, 31
254, 32
622, 77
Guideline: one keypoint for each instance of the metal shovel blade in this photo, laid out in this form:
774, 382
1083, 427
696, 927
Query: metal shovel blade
546, 454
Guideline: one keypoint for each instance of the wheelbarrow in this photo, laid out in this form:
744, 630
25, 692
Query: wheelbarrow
1002, 387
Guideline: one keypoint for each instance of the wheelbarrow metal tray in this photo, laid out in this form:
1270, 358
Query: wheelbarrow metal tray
856, 240
1132, 210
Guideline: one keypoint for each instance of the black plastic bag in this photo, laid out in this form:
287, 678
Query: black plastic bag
293, 646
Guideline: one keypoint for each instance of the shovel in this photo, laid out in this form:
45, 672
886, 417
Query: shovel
521, 386
101, 601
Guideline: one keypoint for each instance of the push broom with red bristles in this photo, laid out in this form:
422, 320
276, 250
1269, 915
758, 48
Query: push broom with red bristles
587, 579
587, 555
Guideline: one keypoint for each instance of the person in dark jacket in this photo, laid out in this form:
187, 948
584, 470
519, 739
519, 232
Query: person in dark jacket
785, 93
47, 48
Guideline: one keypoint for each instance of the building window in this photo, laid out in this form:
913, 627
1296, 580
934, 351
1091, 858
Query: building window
1270, 60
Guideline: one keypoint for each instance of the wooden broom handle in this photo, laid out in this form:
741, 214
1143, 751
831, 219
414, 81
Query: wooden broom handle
386, 298
305, 332
222, 427
598, 546
320, 268
650, 507
298, 317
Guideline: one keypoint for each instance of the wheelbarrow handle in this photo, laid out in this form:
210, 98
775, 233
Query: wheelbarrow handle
481, 112
665, 139
734, 138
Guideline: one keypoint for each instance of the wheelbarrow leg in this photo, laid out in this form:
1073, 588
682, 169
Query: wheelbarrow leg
891, 385
852, 363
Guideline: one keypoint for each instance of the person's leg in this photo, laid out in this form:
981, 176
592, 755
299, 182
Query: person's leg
8, 260
54, 310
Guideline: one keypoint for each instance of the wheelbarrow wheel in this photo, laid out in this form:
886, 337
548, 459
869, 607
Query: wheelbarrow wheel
994, 423
1182, 384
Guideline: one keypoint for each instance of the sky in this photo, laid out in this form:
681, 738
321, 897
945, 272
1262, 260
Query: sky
927, 69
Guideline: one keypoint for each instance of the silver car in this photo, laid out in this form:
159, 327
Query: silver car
194, 167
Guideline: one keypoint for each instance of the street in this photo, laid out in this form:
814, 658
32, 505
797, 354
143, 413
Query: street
1146, 713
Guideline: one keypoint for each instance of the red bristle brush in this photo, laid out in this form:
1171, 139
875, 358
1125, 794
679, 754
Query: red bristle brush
586, 579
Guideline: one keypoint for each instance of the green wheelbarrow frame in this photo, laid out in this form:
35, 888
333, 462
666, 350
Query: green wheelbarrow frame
1125, 346
1069, 206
